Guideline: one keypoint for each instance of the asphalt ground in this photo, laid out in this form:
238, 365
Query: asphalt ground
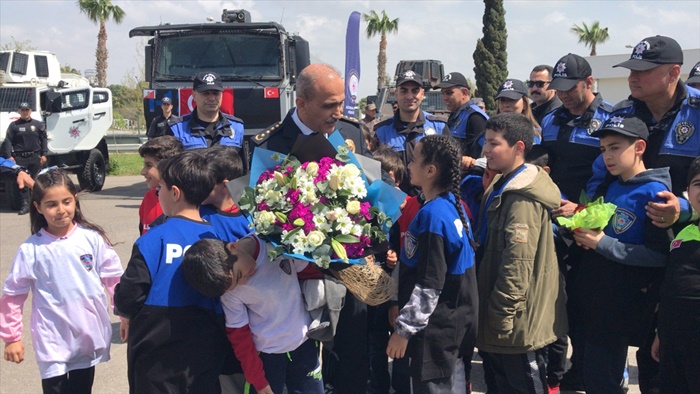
115, 208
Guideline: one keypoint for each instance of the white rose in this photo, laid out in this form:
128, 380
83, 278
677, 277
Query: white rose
351, 171
353, 207
312, 169
315, 238
267, 217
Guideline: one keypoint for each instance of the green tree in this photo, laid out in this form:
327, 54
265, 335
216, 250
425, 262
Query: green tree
15, 45
100, 11
67, 68
590, 36
380, 25
490, 55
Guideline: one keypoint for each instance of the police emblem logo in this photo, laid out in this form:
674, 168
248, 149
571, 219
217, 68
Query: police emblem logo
86, 259
32, 127
209, 79
676, 243
430, 131
286, 266
639, 50
74, 132
409, 74
447, 77
683, 131
508, 85
410, 244
350, 144
616, 121
561, 70
623, 220
594, 125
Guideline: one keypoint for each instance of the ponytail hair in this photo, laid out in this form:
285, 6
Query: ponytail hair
57, 178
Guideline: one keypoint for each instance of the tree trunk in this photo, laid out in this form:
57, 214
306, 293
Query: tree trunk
381, 63
593, 52
101, 55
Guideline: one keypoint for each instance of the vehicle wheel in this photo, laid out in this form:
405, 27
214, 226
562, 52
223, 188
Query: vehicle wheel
92, 176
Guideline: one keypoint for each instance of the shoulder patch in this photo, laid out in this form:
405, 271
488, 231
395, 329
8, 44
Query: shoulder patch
520, 232
286, 266
676, 243
623, 220
410, 244
683, 131
267, 133
350, 120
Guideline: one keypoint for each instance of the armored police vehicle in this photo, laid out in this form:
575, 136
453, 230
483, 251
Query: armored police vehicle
77, 116
258, 64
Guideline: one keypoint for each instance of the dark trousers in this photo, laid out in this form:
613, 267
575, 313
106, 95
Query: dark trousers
604, 364
435, 386
519, 373
556, 360
299, 370
379, 331
32, 164
77, 381
648, 368
679, 370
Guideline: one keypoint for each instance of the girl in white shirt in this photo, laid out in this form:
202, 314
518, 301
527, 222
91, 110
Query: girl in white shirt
65, 264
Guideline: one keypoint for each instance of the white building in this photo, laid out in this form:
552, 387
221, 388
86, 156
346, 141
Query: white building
612, 82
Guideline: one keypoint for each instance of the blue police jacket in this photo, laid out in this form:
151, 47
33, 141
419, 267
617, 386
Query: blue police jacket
388, 135
229, 132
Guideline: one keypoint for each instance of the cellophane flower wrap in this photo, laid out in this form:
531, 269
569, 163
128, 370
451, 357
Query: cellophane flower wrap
316, 210
595, 215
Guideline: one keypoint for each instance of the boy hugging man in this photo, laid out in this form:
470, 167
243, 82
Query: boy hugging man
175, 335
266, 320
616, 284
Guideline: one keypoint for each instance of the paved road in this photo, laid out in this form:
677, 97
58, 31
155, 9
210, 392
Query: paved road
116, 209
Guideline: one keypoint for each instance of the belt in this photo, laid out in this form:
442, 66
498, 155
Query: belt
26, 154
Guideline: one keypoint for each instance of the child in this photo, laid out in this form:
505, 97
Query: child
65, 264
615, 286
266, 321
437, 287
219, 208
153, 151
176, 335
521, 297
676, 346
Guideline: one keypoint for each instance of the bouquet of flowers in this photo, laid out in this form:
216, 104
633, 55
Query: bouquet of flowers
595, 215
319, 210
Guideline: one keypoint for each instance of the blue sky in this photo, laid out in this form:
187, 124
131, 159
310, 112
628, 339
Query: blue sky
538, 31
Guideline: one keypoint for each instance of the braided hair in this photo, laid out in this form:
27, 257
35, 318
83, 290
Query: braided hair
443, 152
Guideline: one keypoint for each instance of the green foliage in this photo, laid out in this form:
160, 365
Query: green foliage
491, 56
590, 36
380, 25
125, 164
67, 68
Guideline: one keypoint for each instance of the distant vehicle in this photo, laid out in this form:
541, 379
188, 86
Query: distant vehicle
77, 116
432, 72
258, 63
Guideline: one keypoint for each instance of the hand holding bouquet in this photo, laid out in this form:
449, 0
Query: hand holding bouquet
595, 215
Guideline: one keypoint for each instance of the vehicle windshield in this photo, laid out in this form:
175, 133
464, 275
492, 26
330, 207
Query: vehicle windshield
234, 55
11, 98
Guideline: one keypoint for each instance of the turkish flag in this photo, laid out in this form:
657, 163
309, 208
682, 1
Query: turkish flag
187, 103
272, 93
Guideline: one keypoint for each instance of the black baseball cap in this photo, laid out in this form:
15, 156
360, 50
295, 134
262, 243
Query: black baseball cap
207, 80
410, 76
568, 71
513, 89
166, 100
24, 106
652, 52
625, 124
451, 80
694, 76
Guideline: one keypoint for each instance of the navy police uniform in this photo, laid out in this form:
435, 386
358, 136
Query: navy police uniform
196, 134
572, 150
403, 137
161, 126
26, 142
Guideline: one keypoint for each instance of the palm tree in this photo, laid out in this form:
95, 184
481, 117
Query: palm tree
591, 36
380, 25
101, 11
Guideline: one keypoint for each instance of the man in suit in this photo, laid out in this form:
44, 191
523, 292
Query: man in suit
319, 109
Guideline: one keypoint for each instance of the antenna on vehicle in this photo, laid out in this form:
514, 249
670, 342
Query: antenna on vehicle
282, 17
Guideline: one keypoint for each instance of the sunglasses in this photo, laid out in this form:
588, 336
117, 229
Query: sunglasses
539, 84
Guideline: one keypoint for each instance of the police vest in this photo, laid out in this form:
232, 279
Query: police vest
231, 133
458, 124
397, 141
582, 130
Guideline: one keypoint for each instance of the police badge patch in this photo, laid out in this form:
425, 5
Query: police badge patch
623, 220
86, 259
676, 243
32, 127
410, 244
286, 266
683, 131
430, 131
594, 125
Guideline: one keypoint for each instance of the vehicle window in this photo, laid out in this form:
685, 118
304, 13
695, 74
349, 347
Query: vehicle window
11, 98
74, 100
99, 97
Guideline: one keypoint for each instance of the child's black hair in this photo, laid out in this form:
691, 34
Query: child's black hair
162, 147
191, 173
207, 267
443, 152
538, 156
225, 162
58, 178
371, 136
390, 161
694, 169
513, 127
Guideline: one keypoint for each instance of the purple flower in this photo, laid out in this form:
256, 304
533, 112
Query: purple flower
354, 250
263, 206
303, 212
287, 226
293, 196
364, 210
265, 176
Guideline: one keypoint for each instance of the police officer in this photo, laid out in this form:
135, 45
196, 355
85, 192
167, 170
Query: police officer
467, 120
671, 111
319, 108
409, 124
161, 123
207, 125
694, 77
26, 144
370, 115
544, 100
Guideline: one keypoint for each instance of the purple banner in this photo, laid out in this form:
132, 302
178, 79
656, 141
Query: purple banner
352, 64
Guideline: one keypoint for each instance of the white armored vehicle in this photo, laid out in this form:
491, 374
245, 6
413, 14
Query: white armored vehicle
77, 116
